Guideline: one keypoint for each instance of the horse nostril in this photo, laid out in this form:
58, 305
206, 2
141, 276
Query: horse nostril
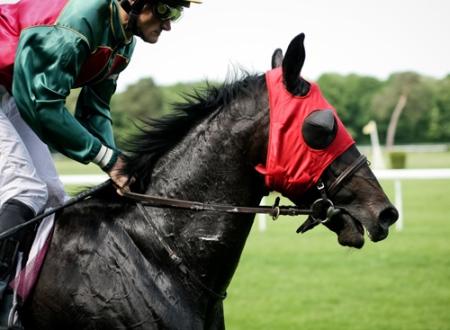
388, 216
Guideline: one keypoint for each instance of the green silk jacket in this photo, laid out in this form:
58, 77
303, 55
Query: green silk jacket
65, 44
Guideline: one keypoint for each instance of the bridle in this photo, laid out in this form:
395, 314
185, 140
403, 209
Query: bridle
321, 210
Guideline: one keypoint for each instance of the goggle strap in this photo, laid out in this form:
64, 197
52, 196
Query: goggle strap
133, 11
125, 4
177, 3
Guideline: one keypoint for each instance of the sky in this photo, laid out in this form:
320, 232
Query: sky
374, 38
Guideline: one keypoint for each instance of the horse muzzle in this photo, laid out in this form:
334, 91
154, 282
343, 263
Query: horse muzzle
380, 230
375, 224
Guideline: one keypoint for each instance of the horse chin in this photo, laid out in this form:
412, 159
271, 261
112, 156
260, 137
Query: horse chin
375, 231
350, 231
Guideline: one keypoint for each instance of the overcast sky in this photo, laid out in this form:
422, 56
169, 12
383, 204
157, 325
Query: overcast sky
373, 38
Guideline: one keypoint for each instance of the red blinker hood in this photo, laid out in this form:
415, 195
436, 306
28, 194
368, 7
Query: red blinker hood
292, 167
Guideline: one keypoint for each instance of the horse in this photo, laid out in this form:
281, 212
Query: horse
114, 263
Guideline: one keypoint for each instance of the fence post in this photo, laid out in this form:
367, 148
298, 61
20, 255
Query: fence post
399, 204
262, 219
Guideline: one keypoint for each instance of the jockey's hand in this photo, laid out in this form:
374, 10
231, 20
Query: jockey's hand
121, 181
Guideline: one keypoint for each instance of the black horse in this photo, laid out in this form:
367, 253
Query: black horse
114, 264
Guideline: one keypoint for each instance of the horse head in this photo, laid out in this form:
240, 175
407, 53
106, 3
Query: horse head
312, 159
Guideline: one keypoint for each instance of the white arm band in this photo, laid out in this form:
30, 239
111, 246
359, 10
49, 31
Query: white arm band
103, 157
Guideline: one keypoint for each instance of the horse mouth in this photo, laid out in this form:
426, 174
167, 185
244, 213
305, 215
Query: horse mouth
350, 231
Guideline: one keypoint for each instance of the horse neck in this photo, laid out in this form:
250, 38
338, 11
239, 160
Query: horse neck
214, 163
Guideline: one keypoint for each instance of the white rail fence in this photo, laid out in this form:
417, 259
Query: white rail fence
396, 175
412, 174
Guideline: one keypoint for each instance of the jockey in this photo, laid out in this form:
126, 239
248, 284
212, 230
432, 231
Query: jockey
48, 47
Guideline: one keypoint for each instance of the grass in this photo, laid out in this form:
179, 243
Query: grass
67, 166
288, 281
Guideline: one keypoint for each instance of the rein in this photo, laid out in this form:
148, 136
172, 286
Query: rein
78, 198
315, 211
274, 211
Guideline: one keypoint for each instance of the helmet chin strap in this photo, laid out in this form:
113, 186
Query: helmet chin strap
133, 11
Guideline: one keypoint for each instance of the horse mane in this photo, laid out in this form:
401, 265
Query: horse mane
156, 137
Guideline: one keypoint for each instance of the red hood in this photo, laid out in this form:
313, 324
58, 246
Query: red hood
292, 167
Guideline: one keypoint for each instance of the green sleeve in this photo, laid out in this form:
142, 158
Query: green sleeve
47, 61
93, 110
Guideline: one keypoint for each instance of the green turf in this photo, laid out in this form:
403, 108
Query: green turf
67, 166
290, 281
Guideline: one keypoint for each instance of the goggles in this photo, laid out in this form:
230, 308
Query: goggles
165, 12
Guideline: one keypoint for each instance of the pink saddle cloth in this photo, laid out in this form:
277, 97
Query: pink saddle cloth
25, 280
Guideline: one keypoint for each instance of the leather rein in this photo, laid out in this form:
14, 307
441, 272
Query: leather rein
315, 211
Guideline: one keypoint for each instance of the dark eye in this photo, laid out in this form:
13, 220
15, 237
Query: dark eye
319, 129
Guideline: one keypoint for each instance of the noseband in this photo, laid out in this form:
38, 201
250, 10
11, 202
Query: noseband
323, 209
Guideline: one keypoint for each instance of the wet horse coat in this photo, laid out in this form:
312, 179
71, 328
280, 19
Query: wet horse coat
107, 268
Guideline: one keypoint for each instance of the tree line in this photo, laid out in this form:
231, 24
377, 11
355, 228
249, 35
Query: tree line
423, 103
425, 117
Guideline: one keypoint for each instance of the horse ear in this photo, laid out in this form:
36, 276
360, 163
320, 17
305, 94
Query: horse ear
277, 58
292, 67
319, 129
